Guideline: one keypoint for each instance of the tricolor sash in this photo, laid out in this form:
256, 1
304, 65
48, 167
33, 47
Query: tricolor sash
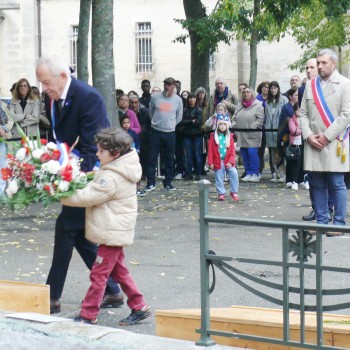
326, 114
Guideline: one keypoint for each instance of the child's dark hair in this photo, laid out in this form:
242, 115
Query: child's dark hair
122, 118
114, 140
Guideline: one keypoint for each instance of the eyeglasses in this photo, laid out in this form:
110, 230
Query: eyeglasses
23, 86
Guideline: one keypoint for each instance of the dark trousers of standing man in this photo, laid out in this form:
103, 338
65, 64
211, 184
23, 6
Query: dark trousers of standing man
65, 241
164, 141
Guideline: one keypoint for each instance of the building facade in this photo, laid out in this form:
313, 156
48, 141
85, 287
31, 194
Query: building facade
143, 44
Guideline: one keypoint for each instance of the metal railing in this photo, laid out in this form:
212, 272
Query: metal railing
303, 247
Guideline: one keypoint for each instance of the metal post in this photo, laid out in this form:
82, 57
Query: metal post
285, 250
319, 300
205, 339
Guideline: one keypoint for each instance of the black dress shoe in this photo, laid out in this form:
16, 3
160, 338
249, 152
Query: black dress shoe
55, 306
112, 300
310, 217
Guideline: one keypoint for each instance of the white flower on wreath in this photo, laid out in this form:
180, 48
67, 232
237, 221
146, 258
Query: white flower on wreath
37, 153
52, 166
51, 146
12, 188
21, 154
63, 186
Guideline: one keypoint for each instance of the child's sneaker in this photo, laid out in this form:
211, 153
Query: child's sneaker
221, 197
84, 320
235, 196
140, 193
136, 316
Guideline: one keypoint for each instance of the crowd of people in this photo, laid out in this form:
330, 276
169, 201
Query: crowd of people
171, 128
174, 129
180, 135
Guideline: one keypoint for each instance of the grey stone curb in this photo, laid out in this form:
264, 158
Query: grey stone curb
68, 335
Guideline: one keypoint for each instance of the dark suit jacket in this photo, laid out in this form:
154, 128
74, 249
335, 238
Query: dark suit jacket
83, 114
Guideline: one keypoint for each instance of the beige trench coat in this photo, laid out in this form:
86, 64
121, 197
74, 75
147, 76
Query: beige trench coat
249, 118
32, 113
337, 96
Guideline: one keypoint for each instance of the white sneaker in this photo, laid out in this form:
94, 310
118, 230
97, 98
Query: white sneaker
289, 184
282, 179
306, 185
178, 176
246, 178
295, 186
253, 178
274, 177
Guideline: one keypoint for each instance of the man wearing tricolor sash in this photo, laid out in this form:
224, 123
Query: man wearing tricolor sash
324, 119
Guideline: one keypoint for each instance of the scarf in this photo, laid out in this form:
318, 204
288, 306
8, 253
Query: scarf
218, 98
247, 104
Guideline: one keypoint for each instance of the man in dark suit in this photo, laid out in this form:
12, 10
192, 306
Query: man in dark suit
76, 111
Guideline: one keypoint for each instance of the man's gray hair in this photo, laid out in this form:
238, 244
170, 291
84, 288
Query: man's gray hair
330, 53
222, 79
56, 64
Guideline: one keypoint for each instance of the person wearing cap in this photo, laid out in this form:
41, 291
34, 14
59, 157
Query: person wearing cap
165, 111
224, 95
222, 157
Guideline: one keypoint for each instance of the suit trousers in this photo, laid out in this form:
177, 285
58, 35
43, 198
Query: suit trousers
324, 185
65, 241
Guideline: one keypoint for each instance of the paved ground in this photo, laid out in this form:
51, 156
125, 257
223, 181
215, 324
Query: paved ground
165, 256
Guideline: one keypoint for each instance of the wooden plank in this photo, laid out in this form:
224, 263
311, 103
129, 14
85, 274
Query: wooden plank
24, 297
181, 324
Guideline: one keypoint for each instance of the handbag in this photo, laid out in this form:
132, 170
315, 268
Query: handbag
293, 152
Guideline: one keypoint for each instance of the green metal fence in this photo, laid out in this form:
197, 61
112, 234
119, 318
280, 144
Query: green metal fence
302, 246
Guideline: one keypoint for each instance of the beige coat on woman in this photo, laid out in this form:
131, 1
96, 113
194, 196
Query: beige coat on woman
337, 96
27, 119
249, 118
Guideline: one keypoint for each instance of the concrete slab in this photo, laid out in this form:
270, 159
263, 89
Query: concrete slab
18, 334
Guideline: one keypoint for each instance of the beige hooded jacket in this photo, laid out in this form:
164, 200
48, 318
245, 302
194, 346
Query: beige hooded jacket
111, 202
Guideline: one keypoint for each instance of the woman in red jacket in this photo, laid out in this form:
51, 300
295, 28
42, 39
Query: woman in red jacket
221, 157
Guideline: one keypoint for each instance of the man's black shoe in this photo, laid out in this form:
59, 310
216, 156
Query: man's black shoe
112, 301
310, 217
55, 306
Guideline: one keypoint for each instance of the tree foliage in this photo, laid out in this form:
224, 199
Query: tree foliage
314, 28
313, 23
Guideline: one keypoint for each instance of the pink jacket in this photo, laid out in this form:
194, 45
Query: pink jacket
294, 128
134, 122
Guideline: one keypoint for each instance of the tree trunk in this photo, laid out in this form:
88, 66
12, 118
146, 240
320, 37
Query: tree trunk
83, 45
253, 45
194, 9
102, 54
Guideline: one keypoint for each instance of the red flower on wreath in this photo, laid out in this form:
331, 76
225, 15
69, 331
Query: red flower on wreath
56, 154
6, 173
45, 157
67, 173
28, 172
